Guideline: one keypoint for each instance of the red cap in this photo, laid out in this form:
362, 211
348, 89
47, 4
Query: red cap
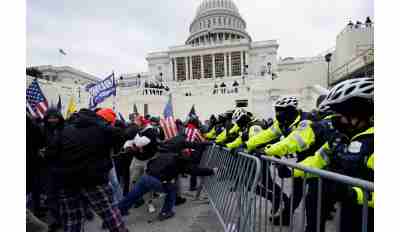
108, 115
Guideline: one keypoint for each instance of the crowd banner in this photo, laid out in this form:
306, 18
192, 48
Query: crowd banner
244, 195
101, 90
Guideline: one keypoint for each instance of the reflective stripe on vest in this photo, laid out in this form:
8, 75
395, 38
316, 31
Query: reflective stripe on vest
370, 162
274, 130
296, 121
324, 152
300, 141
370, 131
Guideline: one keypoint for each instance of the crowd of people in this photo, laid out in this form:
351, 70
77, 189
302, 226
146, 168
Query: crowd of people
154, 88
223, 89
359, 24
93, 163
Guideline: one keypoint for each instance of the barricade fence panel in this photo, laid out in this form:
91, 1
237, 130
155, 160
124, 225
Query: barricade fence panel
249, 196
231, 191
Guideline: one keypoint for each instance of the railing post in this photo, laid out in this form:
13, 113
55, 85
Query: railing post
319, 203
365, 211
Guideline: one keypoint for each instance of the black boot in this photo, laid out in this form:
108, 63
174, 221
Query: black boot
180, 200
139, 203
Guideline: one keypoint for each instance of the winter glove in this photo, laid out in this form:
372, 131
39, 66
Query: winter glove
233, 152
345, 193
258, 153
336, 142
284, 171
206, 144
245, 136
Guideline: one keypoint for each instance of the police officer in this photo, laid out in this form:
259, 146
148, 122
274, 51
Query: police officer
230, 132
240, 119
248, 127
307, 138
346, 150
287, 118
210, 133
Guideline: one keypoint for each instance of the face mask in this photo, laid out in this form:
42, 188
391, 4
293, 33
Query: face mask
342, 124
286, 116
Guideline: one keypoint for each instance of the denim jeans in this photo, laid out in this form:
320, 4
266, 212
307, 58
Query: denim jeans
116, 188
144, 185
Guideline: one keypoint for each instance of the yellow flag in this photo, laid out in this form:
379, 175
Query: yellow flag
71, 107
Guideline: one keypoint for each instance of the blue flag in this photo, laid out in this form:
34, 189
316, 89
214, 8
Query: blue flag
102, 90
168, 112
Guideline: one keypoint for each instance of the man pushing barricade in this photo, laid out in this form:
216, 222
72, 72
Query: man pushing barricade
161, 173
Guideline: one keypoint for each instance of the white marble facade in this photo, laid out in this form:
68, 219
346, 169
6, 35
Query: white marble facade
218, 49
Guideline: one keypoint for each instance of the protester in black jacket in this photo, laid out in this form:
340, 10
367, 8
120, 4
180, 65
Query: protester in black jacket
160, 173
123, 161
80, 161
34, 141
53, 123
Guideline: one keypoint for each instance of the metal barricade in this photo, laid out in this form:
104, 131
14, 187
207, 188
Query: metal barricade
232, 191
313, 196
247, 191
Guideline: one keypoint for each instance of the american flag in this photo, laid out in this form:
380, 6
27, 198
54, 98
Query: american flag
36, 103
191, 131
193, 134
168, 122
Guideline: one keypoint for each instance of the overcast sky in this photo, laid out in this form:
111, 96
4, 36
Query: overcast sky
100, 36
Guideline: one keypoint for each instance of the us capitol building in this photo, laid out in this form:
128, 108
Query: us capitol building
220, 67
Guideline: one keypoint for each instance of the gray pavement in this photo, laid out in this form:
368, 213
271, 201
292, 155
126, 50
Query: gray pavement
193, 216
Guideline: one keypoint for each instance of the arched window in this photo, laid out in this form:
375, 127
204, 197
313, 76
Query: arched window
219, 21
224, 21
214, 21
200, 25
209, 23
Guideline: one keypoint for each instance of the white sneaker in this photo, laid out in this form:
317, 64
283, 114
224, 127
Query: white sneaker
151, 208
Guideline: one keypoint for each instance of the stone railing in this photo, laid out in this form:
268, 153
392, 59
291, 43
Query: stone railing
360, 27
150, 92
210, 43
364, 58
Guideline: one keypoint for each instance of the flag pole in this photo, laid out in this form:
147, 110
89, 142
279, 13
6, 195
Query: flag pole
115, 91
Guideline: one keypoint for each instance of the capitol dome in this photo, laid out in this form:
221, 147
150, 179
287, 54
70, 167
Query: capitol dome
207, 5
217, 20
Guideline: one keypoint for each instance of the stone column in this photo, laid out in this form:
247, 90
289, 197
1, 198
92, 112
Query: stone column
176, 70
202, 66
171, 77
190, 68
242, 54
186, 69
225, 66
213, 66
230, 63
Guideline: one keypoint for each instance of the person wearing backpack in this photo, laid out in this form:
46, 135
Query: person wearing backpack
161, 173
